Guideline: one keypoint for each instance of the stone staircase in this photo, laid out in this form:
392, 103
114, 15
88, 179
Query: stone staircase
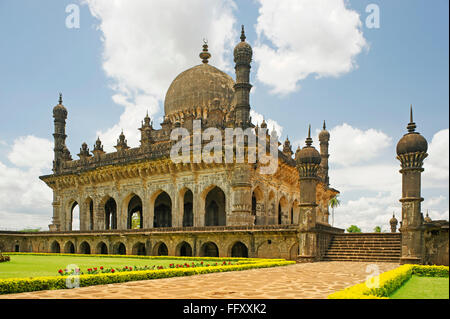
368, 247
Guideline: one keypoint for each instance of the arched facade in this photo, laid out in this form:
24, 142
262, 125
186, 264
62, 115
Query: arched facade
215, 205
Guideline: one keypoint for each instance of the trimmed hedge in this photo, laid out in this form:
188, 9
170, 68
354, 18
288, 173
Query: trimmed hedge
17, 285
389, 282
4, 258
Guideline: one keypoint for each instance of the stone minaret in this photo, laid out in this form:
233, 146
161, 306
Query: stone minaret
324, 138
411, 151
60, 149
242, 57
308, 163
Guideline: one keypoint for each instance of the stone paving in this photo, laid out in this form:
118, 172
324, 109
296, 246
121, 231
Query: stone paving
299, 281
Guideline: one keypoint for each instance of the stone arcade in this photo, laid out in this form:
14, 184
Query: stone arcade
206, 209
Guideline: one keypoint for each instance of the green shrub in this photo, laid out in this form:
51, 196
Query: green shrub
389, 282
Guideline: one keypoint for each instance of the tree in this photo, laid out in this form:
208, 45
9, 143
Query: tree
334, 202
354, 229
377, 229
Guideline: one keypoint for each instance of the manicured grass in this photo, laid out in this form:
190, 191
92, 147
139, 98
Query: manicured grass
34, 266
423, 288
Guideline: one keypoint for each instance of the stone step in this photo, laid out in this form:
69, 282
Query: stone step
366, 259
364, 254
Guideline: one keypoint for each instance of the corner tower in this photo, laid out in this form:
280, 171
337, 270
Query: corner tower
308, 163
59, 135
242, 57
411, 151
324, 138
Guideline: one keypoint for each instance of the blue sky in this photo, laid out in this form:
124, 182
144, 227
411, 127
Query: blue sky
405, 62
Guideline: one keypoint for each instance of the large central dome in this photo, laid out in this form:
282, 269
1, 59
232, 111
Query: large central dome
199, 87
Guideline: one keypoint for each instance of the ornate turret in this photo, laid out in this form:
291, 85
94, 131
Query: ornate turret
60, 150
146, 131
98, 148
84, 152
427, 219
287, 148
308, 162
324, 138
411, 151
308, 159
121, 143
242, 57
393, 222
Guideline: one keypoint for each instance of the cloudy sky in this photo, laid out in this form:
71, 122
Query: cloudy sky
314, 60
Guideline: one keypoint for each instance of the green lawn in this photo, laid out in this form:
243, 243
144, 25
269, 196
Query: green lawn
34, 266
423, 288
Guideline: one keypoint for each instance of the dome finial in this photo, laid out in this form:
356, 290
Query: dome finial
309, 139
60, 99
205, 55
411, 125
324, 125
243, 34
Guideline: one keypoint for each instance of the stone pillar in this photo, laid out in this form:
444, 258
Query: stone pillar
56, 220
99, 214
241, 198
411, 151
308, 163
147, 212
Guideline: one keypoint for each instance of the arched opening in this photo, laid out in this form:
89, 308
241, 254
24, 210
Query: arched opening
69, 248
282, 210
161, 250
102, 248
258, 206
135, 220
239, 250
139, 249
74, 217
188, 215
120, 249
55, 248
110, 214
163, 211
209, 249
294, 252
215, 208
17, 248
85, 248
184, 249
271, 209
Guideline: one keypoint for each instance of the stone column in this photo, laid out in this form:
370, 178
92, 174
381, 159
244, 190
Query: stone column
56, 220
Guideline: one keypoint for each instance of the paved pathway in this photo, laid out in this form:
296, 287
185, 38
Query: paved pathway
299, 281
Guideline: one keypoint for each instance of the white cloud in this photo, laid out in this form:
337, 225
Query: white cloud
31, 151
143, 52
25, 200
350, 145
436, 164
306, 37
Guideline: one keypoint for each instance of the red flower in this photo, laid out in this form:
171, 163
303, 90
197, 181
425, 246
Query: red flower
112, 270
95, 269
101, 267
60, 271
131, 268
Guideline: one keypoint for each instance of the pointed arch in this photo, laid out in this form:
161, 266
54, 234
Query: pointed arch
162, 210
215, 205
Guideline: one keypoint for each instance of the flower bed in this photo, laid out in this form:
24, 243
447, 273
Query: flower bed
16, 285
103, 270
388, 282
